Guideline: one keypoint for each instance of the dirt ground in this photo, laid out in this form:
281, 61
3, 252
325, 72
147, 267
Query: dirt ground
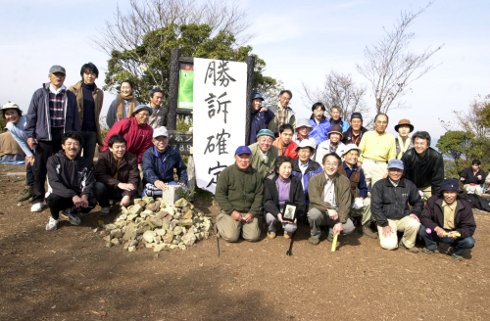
70, 275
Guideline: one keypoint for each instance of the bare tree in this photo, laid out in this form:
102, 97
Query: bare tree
473, 120
390, 67
339, 90
128, 30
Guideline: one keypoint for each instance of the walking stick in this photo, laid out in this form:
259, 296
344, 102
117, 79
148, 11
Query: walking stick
289, 252
218, 252
334, 242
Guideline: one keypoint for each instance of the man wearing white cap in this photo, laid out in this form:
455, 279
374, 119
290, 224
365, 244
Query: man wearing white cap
304, 167
159, 163
52, 112
396, 207
361, 206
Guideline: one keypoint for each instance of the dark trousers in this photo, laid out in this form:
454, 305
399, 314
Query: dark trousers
88, 146
57, 203
43, 150
104, 194
459, 244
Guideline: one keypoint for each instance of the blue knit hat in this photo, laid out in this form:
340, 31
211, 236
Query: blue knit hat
451, 185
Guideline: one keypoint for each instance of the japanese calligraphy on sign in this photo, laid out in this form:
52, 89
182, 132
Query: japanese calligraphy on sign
219, 116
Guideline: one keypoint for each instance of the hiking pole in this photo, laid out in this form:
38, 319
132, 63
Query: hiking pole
289, 252
218, 252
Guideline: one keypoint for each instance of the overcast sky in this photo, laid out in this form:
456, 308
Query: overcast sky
301, 41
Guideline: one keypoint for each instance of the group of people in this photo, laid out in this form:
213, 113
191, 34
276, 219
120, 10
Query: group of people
339, 176
327, 172
59, 136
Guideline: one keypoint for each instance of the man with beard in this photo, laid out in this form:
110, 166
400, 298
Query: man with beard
264, 154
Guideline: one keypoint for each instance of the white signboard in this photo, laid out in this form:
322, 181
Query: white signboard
220, 108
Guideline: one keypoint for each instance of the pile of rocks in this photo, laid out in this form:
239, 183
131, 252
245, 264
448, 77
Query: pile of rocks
152, 223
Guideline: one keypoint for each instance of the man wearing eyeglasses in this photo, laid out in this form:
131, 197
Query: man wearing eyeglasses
377, 147
330, 201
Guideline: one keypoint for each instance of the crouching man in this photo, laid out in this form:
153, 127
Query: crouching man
448, 219
330, 201
70, 182
361, 203
239, 194
396, 207
117, 175
160, 163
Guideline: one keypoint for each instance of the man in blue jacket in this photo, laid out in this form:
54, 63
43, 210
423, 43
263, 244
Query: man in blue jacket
159, 163
52, 112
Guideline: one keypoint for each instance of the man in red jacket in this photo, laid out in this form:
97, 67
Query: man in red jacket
448, 219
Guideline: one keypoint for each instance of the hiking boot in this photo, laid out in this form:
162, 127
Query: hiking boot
25, 194
271, 235
411, 250
314, 240
72, 216
366, 230
52, 224
37, 207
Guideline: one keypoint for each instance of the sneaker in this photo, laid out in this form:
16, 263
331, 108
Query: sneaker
314, 240
411, 250
37, 207
428, 251
52, 224
366, 230
287, 236
25, 195
72, 216
105, 211
271, 235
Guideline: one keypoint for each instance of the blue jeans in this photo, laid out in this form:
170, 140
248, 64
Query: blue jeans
29, 176
459, 244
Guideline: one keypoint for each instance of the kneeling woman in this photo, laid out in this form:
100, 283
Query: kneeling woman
280, 190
